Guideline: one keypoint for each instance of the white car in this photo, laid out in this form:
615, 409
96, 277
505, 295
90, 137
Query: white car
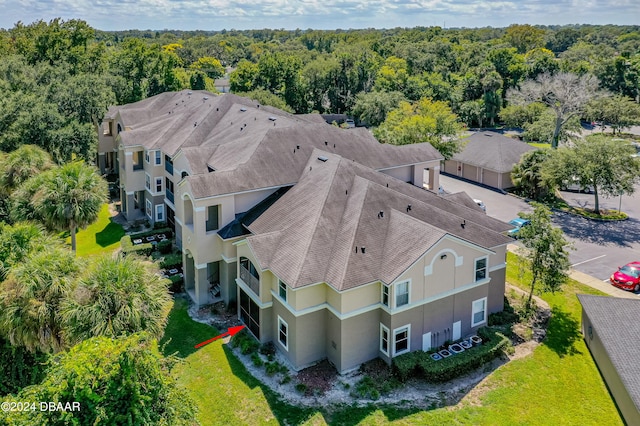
480, 204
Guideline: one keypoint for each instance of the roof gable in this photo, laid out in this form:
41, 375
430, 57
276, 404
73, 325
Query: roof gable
492, 151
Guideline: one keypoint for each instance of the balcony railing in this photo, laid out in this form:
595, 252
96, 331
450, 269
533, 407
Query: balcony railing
168, 166
169, 195
250, 280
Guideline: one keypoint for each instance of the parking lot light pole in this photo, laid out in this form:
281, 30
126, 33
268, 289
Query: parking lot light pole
620, 203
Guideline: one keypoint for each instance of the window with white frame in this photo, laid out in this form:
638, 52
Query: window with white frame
402, 293
481, 269
384, 340
149, 208
147, 181
401, 340
283, 333
160, 213
158, 184
282, 290
158, 157
385, 295
478, 312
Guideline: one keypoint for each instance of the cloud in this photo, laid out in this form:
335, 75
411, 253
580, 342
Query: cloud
329, 14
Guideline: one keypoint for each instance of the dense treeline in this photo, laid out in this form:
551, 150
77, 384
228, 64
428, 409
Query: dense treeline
59, 77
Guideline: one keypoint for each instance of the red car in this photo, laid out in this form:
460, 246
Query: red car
627, 277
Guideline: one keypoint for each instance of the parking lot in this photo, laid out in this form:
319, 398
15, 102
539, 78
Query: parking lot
600, 247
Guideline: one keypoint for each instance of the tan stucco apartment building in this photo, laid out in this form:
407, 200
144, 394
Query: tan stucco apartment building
330, 244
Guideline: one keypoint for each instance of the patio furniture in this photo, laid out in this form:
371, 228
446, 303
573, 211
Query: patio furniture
173, 271
151, 238
137, 241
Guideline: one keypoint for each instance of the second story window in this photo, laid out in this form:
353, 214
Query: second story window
385, 295
212, 222
158, 184
147, 181
481, 269
158, 157
168, 164
137, 160
402, 294
282, 290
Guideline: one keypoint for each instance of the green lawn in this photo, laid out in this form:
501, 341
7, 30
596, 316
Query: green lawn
558, 384
103, 236
540, 145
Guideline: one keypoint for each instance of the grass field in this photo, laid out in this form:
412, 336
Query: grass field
540, 145
103, 236
558, 384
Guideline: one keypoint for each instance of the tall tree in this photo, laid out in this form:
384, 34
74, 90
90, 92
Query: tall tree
373, 107
70, 197
117, 296
599, 161
114, 381
422, 121
546, 251
524, 37
21, 164
566, 94
617, 111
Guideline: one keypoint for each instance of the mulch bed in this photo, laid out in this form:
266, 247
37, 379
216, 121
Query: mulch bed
318, 378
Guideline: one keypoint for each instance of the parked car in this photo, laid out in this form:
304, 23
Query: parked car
517, 223
573, 185
480, 204
627, 277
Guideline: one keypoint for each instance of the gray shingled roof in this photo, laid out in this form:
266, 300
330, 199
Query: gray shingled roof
616, 322
311, 233
248, 146
492, 151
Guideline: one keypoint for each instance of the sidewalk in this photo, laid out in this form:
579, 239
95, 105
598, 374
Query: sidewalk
581, 277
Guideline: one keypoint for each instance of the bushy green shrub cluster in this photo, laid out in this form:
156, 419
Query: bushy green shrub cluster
366, 388
420, 363
128, 247
246, 342
177, 283
19, 367
164, 247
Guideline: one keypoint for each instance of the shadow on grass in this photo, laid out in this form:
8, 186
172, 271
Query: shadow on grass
563, 332
111, 234
182, 333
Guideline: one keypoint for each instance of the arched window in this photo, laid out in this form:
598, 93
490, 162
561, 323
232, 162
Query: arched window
246, 264
184, 175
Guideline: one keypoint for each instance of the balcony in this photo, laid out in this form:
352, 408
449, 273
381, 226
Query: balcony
250, 280
168, 166
169, 195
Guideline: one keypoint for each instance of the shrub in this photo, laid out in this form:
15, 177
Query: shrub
301, 387
177, 284
493, 345
171, 261
366, 388
164, 247
160, 225
275, 367
405, 365
268, 349
246, 342
257, 361
128, 247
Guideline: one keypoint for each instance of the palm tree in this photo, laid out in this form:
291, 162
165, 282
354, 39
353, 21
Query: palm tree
17, 241
21, 164
117, 296
526, 175
71, 196
31, 295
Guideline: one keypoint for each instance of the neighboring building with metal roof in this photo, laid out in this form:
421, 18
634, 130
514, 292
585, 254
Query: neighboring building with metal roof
330, 243
611, 331
487, 158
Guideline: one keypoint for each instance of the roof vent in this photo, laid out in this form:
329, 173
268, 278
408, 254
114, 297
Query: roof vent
217, 109
464, 222
243, 109
205, 98
408, 207
195, 124
189, 93
258, 106
356, 249
210, 169
380, 214
297, 146
272, 118
488, 134
323, 159
362, 249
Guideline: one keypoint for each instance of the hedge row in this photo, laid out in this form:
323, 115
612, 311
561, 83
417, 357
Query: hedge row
420, 363
129, 248
166, 231
171, 260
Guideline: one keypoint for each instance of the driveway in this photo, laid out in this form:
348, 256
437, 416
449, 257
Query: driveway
600, 247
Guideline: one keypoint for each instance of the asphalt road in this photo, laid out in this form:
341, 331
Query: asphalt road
600, 247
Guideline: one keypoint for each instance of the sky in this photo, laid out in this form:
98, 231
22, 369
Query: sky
318, 14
